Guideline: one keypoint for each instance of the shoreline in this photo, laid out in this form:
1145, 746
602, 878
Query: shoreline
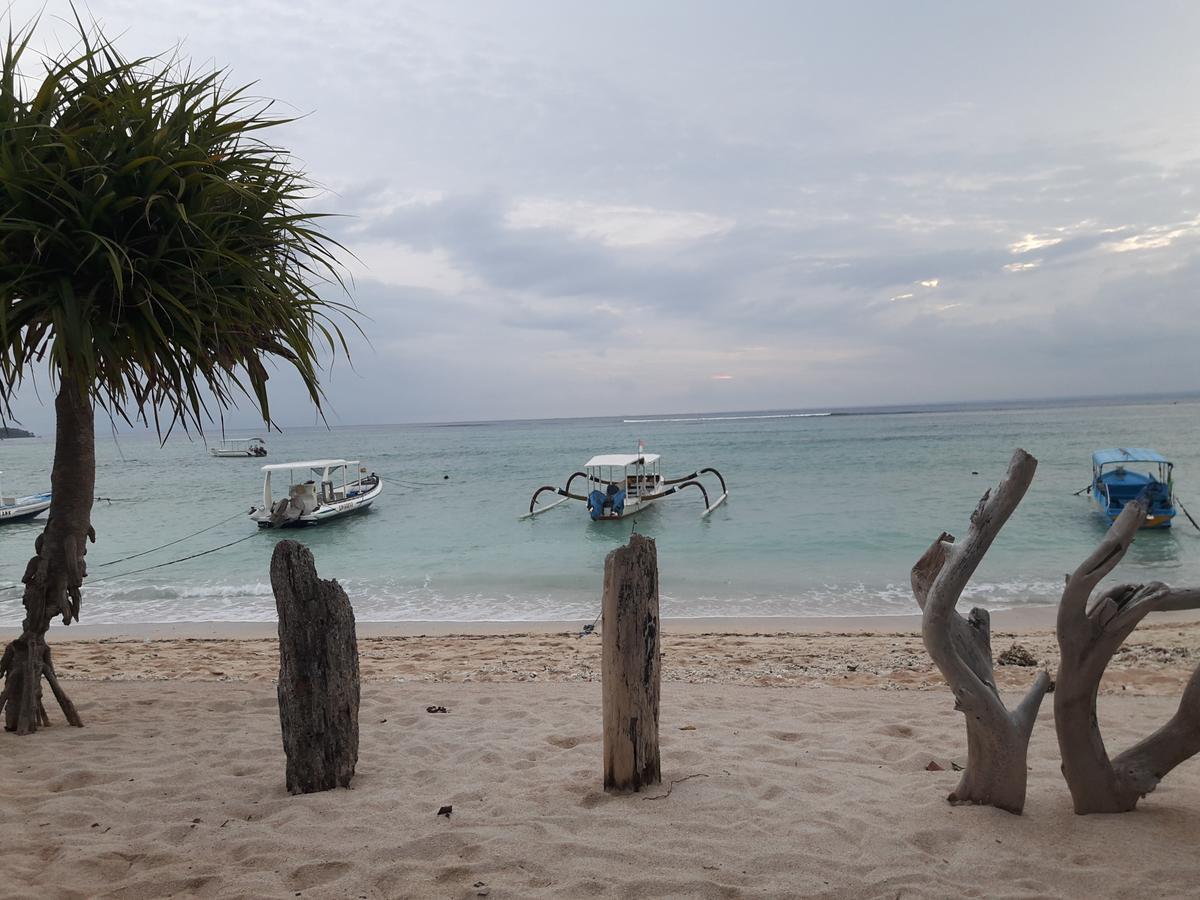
1033, 620
888, 655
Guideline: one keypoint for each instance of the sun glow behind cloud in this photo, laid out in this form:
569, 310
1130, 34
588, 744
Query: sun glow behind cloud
616, 226
1032, 242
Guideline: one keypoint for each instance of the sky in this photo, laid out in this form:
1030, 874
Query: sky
563, 208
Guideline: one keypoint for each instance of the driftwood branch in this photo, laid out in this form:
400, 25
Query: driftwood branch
1090, 630
997, 740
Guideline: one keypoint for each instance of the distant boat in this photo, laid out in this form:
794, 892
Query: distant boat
240, 447
340, 487
1123, 474
620, 485
17, 509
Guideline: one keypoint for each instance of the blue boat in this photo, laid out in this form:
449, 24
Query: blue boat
1128, 473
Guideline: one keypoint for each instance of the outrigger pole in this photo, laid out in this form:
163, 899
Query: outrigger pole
677, 484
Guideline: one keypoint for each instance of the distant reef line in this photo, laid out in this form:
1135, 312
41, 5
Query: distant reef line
6, 433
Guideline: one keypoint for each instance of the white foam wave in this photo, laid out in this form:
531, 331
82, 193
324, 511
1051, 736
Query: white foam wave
390, 600
816, 415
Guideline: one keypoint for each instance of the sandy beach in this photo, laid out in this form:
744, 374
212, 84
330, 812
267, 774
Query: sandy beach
794, 765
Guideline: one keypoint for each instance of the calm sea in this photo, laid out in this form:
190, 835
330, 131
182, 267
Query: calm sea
826, 514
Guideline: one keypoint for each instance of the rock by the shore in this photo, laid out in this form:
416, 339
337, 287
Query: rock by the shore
1017, 655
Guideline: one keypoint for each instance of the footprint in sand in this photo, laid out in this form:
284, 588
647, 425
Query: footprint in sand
313, 875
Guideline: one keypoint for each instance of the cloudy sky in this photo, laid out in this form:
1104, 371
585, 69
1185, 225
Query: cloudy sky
576, 208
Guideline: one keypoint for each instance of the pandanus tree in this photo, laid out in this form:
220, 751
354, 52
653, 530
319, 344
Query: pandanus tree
156, 254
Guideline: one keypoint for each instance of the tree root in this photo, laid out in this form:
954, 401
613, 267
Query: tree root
26, 661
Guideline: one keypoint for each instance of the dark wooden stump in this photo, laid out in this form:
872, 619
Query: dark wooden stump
630, 666
318, 673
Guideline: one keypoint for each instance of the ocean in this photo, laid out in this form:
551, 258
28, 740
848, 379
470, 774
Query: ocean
827, 513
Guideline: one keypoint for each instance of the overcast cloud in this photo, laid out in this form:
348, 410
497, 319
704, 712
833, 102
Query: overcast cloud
570, 208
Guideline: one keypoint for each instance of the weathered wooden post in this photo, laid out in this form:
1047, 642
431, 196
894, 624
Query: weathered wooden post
630, 666
318, 673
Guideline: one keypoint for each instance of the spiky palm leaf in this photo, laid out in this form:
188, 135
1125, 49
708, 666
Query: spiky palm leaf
154, 249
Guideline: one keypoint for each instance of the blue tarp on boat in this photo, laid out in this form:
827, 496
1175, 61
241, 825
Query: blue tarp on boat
1127, 454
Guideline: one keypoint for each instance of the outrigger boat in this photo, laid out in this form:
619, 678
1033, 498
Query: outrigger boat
17, 509
1114, 484
334, 488
240, 447
623, 484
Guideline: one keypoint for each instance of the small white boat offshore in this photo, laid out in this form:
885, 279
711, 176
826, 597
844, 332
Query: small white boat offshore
318, 490
17, 509
240, 447
620, 485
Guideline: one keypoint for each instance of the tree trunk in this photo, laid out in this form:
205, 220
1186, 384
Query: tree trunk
630, 666
1089, 633
997, 740
54, 576
318, 673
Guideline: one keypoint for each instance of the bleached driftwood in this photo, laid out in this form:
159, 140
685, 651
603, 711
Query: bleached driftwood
997, 739
1089, 633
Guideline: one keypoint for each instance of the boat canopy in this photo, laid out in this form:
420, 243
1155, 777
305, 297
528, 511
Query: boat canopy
310, 464
1127, 454
622, 459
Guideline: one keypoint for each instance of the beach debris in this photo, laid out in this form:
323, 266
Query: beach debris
676, 781
445, 810
956, 767
1090, 631
934, 767
961, 648
687, 727
481, 889
318, 673
631, 666
1017, 655
436, 709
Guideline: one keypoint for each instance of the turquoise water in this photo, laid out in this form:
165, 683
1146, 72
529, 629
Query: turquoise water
826, 514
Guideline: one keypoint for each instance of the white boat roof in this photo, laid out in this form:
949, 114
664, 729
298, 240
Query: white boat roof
311, 464
621, 459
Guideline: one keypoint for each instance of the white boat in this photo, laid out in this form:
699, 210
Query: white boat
17, 509
620, 485
240, 447
318, 490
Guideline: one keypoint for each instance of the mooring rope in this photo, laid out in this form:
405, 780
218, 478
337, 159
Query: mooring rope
174, 561
169, 543
14, 587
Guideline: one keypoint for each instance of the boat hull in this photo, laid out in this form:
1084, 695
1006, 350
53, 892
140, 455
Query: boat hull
24, 508
1158, 520
327, 512
228, 454
631, 508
